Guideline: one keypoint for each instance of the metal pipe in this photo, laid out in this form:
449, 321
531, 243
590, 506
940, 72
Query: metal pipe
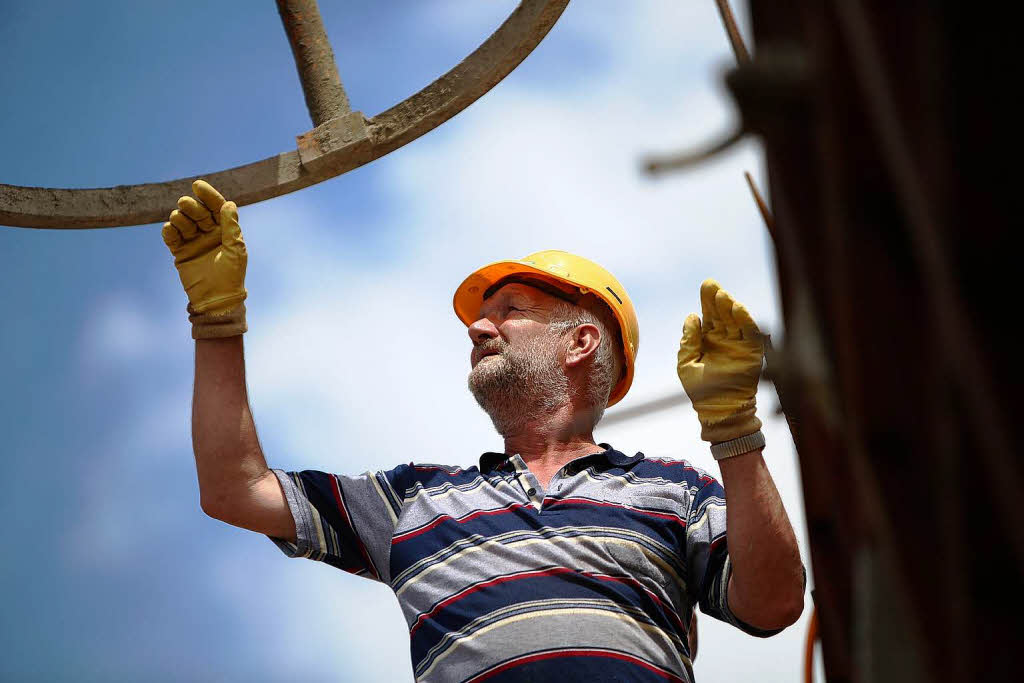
735, 39
657, 165
314, 58
762, 206
108, 207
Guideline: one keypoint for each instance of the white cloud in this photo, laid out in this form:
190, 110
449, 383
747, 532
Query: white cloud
326, 624
118, 329
121, 495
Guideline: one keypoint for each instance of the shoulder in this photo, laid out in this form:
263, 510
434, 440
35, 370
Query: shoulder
676, 471
407, 477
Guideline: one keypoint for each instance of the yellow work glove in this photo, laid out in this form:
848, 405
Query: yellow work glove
204, 236
719, 364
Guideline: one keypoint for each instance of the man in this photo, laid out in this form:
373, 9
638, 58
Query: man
558, 557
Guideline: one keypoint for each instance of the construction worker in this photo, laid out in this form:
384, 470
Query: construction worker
557, 558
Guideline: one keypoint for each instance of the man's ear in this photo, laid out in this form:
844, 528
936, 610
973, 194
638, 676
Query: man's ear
583, 343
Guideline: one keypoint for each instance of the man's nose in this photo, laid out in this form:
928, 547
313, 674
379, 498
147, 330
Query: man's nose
482, 330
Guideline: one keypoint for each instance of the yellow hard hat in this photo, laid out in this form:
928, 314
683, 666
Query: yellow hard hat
560, 268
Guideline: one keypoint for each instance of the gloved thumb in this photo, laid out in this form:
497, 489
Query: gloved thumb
231, 232
691, 346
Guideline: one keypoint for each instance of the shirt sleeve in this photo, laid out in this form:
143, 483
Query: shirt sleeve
707, 558
344, 521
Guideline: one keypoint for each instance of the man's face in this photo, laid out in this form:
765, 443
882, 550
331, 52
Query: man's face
516, 360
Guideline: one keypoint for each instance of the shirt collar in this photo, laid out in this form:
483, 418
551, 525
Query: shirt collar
491, 460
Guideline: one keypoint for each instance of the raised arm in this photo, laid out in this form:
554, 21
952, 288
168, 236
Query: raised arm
235, 484
719, 364
766, 587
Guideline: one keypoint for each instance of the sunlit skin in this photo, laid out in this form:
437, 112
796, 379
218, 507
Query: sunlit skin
514, 315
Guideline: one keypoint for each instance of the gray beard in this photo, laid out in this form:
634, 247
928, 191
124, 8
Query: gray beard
515, 387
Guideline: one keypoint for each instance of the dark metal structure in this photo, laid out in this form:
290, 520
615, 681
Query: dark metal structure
340, 141
885, 141
886, 156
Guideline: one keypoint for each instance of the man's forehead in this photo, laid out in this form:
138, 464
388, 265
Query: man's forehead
514, 288
534, 286
532, 290
513, 291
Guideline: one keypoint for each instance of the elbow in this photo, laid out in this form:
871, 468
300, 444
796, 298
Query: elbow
213, 505
790, 611
789, 602
772, 612
795, 604
789, 606
782, 614
208, 508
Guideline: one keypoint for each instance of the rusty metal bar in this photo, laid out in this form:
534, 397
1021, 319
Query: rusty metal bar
109, 207
656, 165
739, 49
314, 58
656, 405
676, 398
735, 39
772, 359
762, 206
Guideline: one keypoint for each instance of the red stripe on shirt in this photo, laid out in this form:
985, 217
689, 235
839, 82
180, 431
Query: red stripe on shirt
674, 463
438, 468
465, 518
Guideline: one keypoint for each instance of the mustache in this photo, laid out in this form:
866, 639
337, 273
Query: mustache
487, 348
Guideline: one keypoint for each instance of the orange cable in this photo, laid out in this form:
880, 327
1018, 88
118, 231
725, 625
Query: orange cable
812, 635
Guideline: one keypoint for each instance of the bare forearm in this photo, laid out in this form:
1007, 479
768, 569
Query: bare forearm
766, 587
227, 450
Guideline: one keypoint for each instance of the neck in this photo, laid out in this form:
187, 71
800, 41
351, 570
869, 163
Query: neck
550, 440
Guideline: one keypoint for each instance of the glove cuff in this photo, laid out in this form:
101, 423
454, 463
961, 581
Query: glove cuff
229, 323
739, 422
744, 444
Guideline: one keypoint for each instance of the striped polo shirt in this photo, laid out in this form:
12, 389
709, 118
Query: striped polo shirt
594, 579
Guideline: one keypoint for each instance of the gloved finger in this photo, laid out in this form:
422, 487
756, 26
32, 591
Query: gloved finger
184, 225
197, 212
209, 196
172, 238
708, 289
748, 328
231, 232
691, 346
724, 303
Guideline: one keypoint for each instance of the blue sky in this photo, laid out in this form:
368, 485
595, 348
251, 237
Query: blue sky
355, 360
